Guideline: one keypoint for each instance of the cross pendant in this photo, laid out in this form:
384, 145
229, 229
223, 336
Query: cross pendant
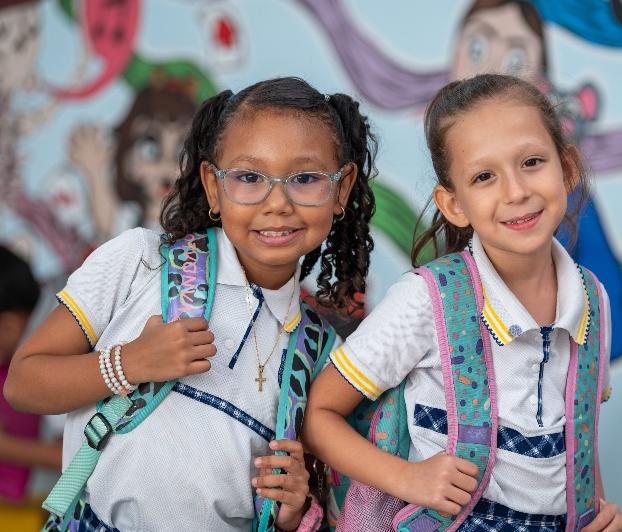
260, 379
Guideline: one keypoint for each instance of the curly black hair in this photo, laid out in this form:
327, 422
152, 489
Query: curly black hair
344, 257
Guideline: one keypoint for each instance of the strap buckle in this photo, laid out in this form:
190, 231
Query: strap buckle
98, 431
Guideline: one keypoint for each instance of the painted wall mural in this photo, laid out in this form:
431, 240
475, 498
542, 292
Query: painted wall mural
96, 96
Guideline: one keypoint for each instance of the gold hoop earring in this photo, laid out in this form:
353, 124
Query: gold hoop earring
212, 218
343, 214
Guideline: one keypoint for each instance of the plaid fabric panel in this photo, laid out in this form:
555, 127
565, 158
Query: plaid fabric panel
431, 418
91, 523
489, 516
544, 446
508, 439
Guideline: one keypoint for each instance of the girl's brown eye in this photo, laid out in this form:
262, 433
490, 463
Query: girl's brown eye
483, 177
534, 161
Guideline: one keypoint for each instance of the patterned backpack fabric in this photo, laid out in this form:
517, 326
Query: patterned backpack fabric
466, 360
188, 290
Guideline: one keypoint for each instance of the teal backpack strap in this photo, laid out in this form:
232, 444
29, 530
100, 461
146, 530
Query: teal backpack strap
307, 351
466, 359
188, 288
583, 394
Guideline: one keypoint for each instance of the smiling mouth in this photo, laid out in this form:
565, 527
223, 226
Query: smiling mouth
276, 233
522, 220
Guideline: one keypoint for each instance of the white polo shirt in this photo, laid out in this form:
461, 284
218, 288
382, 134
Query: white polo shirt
189, 465
398, 340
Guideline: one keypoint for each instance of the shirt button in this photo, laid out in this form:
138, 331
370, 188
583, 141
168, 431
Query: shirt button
535, 368
229, 343
533, 400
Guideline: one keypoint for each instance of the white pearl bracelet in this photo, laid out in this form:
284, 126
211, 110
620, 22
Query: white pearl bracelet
117, 362
118, 385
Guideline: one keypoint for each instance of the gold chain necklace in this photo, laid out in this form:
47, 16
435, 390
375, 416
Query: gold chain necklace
260, 367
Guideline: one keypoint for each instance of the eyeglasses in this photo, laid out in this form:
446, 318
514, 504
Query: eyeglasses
249, 187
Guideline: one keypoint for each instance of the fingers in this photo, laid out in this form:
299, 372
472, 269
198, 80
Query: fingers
289, 463
464, 482
609, 519
286, 482
199, 366
202, 338
194, 324
289, 498
466, 467
293, 447
458, 496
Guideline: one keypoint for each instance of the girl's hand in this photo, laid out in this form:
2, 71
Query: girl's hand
166, 351
294, 483
442, 482
608, 520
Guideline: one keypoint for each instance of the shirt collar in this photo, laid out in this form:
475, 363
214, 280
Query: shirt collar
230, 272
507, 319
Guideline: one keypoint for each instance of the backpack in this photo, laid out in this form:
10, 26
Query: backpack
188, 285
466, 359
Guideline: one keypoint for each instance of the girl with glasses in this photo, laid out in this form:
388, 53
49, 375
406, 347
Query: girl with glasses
279, 175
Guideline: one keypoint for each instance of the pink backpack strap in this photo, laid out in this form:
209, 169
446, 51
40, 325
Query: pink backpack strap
583, 393
470, 392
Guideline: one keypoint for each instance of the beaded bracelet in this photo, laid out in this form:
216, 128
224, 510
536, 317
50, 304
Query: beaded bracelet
107, 370
117, 362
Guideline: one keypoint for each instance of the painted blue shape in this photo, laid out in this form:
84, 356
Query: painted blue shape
593, 252
598, 21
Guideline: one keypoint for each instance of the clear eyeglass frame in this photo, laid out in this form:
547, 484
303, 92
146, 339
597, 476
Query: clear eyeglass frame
221, 174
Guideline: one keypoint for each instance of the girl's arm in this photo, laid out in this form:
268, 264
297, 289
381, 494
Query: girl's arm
441, 482
53, 371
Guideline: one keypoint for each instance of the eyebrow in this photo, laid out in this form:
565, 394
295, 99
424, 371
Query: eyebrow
480, 25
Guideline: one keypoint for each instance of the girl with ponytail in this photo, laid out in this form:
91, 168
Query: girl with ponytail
279, 174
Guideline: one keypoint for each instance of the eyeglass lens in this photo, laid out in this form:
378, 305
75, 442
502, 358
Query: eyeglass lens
305, 188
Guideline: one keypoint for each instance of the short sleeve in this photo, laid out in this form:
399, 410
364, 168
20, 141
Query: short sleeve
102, 284
391, 341
606, 393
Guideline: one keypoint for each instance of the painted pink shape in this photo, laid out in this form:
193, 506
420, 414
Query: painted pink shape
110, 28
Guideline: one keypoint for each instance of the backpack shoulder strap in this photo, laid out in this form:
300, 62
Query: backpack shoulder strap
188, 288
583, 393
455, 290
307, 351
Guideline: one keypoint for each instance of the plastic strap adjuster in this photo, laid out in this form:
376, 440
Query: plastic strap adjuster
94, 436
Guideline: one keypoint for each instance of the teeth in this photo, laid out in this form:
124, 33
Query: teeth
275, 233
520, 221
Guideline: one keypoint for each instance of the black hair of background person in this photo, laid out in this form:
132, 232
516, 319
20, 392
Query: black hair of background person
19, 291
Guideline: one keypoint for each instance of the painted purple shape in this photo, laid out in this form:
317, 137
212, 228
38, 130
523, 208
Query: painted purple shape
424, 523
474, 434
376, 76
602, 150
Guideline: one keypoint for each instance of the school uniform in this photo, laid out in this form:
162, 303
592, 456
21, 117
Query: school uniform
189, 465
398, 341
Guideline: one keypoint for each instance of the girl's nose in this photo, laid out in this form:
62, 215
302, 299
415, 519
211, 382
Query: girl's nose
516, 188
277, 201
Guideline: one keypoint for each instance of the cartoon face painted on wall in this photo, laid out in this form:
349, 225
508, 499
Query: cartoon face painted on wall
149, 142
503, 36
19, 41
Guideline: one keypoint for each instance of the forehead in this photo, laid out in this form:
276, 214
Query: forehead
281, 140
496, 128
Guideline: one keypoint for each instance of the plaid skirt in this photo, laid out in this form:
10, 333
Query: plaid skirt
91, 523
488, 516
